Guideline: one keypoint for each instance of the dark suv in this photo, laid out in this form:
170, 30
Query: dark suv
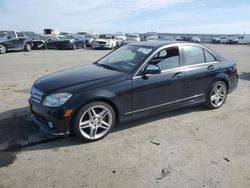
14, 40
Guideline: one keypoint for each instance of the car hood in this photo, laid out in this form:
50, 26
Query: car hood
87, 76
2, 39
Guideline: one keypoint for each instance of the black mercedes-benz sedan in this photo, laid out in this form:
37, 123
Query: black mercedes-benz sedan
134, 81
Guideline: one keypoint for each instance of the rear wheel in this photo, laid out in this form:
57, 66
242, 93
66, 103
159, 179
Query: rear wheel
27, 47
2, 49
94, 121
217, 95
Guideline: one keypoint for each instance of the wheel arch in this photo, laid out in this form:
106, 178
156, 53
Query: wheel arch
222, 77
97, 99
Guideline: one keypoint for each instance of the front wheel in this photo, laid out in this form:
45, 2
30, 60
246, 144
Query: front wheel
2, 49
94, 121
27, 47
217, 95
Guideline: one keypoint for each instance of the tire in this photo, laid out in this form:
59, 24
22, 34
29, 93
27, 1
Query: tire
217, 95
94, 125
3, 49
27, 47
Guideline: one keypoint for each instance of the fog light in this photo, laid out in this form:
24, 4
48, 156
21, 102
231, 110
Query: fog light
50, 124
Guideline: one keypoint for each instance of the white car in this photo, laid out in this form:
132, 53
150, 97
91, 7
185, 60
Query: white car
104, 41
132, 37
195, 39
224, 40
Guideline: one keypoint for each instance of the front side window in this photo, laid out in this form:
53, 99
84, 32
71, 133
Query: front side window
194, 55
12, 34
167, 59
125, 59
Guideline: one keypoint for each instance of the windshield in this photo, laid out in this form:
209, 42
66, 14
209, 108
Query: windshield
3, 33
88, 36
125, 59
133, 36
119, 35
106, 37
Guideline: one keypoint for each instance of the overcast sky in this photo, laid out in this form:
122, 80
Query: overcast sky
194, 16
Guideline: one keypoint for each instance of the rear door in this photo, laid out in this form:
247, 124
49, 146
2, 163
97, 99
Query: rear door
200, 68
21, 38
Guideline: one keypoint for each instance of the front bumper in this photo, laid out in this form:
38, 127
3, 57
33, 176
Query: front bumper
107, 46
44, 116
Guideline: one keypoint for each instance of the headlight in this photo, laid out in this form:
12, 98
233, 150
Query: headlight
55, 100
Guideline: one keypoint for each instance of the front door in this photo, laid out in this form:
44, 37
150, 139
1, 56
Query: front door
151, 92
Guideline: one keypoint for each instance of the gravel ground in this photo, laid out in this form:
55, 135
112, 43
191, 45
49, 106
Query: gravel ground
190, 147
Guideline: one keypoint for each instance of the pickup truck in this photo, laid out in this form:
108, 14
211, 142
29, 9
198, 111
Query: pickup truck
14, 40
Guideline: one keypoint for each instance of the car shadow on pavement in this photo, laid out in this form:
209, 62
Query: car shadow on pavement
18, 132
244, 76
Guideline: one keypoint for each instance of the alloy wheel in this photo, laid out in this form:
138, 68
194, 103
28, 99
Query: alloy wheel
28, 47
2, 49
95, 122
218, 95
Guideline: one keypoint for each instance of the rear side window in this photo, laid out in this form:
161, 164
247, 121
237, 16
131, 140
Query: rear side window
194, 55
209, 57
20, 34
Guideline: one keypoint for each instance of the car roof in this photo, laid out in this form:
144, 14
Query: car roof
156, 44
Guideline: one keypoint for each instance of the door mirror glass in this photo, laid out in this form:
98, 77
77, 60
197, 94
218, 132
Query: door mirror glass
152, 69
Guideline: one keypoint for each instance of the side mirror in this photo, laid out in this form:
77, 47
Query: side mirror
152, 69
9, 37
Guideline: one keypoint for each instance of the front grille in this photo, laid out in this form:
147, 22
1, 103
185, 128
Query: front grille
36, 95
101, 42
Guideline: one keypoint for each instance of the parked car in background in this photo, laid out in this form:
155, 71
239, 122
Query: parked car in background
233, 40
195, 39
152, 36
14, 40
69, 42
243, 39
63, 34
224, 40
131, 37
38, 42
119, 36
186, 38
104, 41
216, 40
89, 39
82, 33
76, 39
178, 38
134, 81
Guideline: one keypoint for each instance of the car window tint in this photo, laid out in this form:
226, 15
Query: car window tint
209, 57
19, 34
194, 55
12, 34
167, 58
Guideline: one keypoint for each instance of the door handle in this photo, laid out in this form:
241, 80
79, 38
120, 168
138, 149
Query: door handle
177, 75
210, 67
